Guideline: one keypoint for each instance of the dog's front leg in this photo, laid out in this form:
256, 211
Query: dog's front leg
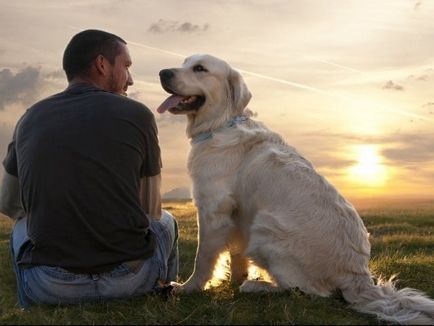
214, 231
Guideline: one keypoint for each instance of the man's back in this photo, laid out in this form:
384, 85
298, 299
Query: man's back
86, 164
80, 156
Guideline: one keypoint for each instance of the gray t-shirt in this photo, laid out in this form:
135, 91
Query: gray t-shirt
79, 156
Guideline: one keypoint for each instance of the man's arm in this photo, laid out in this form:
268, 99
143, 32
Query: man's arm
150, 196
10, 203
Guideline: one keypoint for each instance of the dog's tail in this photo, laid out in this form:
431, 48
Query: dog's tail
406, 306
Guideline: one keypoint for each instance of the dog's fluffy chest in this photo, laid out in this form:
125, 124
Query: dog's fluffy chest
208, 162
231, 159
225, 151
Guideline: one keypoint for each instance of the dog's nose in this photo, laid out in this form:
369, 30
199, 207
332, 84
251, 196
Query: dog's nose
166, 74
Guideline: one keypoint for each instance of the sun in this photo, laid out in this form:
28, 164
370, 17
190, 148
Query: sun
369, 169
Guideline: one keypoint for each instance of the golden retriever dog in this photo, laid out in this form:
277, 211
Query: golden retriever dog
262, 200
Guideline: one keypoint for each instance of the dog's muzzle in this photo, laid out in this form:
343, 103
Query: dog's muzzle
177, 103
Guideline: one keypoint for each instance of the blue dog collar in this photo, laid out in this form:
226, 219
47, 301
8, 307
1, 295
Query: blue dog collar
208, 135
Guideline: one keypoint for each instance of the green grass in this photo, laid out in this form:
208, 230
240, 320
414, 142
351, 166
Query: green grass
402, 243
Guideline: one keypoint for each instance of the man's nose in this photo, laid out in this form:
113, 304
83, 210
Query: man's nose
130, 79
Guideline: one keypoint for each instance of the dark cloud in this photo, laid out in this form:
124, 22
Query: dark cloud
327, 154
57, 74
391, 85
164, 26
410, 148
18, 87
189, 27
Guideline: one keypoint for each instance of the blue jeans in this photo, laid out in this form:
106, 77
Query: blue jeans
55, 285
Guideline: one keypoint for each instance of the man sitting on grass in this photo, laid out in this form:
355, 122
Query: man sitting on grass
82, 178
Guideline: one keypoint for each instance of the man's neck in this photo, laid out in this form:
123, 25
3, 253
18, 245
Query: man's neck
90, 81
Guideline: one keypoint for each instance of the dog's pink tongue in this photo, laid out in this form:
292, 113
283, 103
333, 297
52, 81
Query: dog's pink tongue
169, 103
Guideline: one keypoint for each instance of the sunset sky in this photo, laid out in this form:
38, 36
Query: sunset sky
349, 83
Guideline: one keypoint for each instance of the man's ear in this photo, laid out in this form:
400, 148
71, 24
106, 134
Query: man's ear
101, 65
240, 94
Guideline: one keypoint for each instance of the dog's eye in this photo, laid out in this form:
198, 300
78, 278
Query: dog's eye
199, 68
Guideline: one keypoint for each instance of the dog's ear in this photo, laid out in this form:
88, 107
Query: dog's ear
240, 94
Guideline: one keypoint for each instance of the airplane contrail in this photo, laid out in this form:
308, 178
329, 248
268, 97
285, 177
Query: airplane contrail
282, 81
333, 64
294, 84
156, 49
353, 101
308, 57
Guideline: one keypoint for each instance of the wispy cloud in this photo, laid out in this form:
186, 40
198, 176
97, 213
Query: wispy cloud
429, 104
167, 26
18, 87
422, 77
392, 85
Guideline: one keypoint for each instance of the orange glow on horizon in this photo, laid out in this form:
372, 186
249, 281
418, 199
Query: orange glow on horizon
369, 170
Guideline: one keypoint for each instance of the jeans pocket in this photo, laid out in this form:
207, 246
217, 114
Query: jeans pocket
55, 285
59, 273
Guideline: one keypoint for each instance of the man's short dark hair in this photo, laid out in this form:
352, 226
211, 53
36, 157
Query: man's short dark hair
85, 46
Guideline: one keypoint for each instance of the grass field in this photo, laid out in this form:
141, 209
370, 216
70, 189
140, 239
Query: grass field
402, 243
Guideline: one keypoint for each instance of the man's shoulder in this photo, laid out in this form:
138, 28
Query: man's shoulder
127, 103
47, 100
105, 104
41, 105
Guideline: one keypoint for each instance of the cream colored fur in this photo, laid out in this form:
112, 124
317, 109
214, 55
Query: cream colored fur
259, 197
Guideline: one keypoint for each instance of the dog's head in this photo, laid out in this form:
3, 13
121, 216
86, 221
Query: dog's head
205, 88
